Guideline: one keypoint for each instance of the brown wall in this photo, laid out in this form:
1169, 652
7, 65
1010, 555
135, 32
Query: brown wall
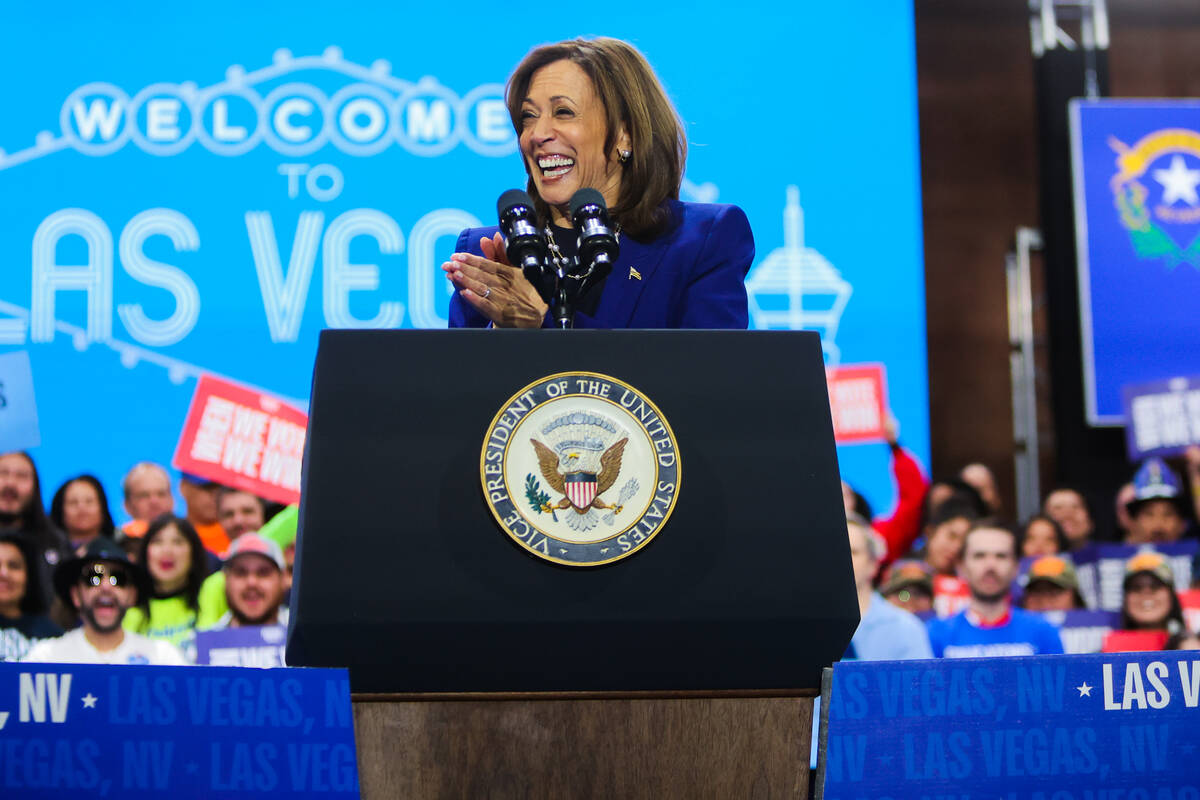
980, 182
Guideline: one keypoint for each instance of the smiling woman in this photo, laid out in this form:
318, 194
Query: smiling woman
591, 114
23, 619
172, 553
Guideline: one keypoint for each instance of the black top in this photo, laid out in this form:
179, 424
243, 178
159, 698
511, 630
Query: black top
567, 240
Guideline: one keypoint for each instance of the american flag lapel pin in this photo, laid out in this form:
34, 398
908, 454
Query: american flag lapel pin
634, 275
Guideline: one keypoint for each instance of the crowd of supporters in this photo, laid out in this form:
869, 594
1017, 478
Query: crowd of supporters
74, 587
942, 575
945, 575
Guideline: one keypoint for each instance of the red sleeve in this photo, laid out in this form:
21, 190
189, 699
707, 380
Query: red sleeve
901, 528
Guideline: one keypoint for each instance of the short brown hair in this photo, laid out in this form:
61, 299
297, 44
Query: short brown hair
632, 96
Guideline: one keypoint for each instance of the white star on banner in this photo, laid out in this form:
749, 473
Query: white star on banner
1084, 689
89, 700
1179, 182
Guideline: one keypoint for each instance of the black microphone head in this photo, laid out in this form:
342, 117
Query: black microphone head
586, 197
511, 199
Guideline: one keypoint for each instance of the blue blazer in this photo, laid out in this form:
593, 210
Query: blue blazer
692, 276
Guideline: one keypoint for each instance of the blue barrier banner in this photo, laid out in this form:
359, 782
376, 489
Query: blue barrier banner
1083, 727
196, 190
253, 646
1162, 418
1136, 166
74, 730
18, 408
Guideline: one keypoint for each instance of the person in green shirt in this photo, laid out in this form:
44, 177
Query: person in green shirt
213, 604
171, 551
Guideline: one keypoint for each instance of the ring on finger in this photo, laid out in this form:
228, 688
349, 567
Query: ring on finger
487, 292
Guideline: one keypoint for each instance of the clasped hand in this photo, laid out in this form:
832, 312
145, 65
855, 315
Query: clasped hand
494, 287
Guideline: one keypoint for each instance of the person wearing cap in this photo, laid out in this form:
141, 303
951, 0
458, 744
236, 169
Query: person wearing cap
1052, 585
885, 632
253, 584
280, 529
1150, 609
101, 585
200, 496
990, 626
1157, 511
908, 584
23, 619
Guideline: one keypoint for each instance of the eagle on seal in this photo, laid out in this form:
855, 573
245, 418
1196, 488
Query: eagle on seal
581, 490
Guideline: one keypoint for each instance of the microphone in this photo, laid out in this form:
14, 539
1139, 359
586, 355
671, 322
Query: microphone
598, 247
523, 241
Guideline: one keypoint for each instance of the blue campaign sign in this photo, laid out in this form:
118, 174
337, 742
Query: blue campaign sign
1084, 727
1162, 418
1101, 569
18, 408
79, 730
191, 190
252, 646
1136, 167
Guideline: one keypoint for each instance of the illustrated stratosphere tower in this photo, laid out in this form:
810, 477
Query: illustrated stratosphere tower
795, 287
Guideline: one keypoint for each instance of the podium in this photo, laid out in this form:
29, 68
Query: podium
479, 665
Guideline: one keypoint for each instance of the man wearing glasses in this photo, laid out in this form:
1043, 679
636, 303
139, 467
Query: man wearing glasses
101, 585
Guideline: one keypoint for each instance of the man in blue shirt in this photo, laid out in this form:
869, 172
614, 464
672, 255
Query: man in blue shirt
885, 632
990, 626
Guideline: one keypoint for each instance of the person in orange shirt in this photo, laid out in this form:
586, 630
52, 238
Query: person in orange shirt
200, 495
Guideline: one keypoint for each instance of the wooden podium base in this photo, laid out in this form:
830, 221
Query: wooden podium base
583, 745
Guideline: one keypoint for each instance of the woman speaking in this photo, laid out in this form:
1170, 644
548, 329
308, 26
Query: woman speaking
592, 114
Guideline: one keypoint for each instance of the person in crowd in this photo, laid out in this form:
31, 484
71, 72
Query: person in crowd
253, 584
1157, 511
990, 626
148, 496
239, 511
592, 114
1052, 585
944, 536
176, 561
908, 584
80, 510
885, 632
200, 498
981, 478
1191, 461
1150, 609
101, 586
900, 528
1068, 507
23, 619
280, 529
21, 509
1042, 536
1125, 495
943, 490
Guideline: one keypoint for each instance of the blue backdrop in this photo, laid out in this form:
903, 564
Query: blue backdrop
204, 188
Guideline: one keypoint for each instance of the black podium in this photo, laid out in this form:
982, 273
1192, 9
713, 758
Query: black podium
404, 576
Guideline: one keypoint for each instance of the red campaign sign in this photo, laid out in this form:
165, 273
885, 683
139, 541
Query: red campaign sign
243, 439
858, 400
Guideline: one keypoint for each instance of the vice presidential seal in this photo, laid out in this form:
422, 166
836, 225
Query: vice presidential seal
580, 468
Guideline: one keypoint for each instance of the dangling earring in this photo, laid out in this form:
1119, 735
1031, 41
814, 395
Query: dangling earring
623, 155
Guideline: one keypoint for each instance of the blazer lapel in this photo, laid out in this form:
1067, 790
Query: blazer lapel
624, 288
